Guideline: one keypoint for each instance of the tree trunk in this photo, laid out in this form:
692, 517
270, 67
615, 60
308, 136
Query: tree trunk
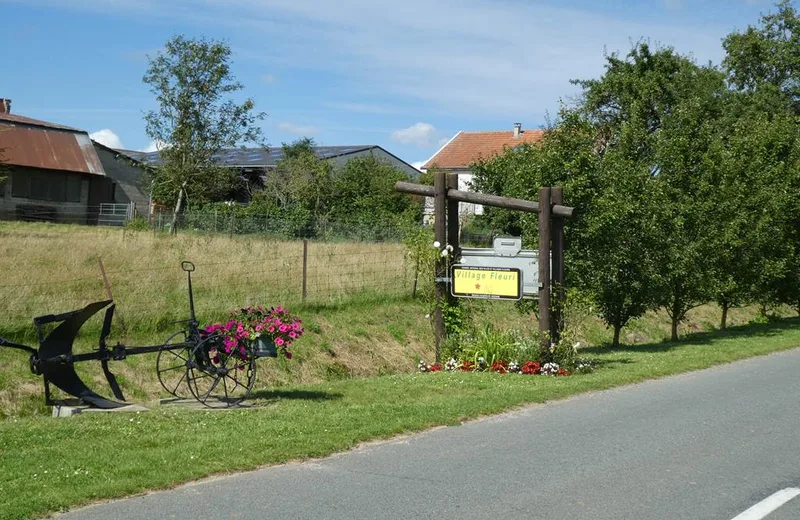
174, 229
724, 324
675, 322
617, 329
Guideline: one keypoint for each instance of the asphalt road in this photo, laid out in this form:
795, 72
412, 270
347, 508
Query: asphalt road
705, 445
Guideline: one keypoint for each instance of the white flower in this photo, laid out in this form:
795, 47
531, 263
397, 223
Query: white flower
437, 245
449, 248
445, 252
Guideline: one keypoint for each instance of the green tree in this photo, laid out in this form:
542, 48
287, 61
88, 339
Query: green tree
364, 195
299, 188
196, 119
767, 55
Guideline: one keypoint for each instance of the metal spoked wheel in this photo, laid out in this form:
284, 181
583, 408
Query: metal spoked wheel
218, 379
173, 357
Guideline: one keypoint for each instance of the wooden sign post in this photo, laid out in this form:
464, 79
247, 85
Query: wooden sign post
446, 197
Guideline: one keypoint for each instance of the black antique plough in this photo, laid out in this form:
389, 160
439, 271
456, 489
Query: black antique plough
190, 358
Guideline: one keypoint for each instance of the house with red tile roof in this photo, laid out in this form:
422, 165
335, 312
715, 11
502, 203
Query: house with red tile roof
466, 148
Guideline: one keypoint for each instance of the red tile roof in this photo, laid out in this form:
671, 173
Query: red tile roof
39, 144
467, 148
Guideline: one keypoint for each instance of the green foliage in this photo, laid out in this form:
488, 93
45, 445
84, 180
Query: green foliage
139, 223
364, 193
490, 344
196, 118
768, 55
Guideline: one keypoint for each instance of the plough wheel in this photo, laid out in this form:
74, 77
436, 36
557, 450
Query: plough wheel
216, 378
173, 357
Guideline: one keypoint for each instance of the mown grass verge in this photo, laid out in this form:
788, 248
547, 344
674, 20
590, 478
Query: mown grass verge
48, 464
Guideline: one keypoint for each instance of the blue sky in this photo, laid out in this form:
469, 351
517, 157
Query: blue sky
406, 75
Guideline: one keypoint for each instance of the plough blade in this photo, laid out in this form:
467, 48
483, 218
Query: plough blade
55, 354
110, 377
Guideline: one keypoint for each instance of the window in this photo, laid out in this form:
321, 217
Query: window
43, 185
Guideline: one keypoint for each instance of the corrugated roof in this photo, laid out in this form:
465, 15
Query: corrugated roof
254, 157
467, 148
39, 144
14, 118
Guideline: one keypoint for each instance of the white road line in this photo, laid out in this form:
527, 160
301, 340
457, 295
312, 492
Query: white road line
769, 504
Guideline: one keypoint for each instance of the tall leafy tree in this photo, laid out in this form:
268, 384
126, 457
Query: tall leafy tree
364, 194
301, 183
767, 55
197, 117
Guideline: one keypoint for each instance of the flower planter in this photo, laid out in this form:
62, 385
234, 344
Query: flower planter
265, 347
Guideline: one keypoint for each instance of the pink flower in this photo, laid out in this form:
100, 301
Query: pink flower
259, 327
279, 342
271, 329
283, 328
293, 335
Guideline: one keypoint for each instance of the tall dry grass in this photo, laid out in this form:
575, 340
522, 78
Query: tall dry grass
55, 268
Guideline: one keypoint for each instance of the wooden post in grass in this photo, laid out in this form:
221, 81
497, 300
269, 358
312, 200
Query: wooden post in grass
440, 270
557, 314
305, 269
544, 265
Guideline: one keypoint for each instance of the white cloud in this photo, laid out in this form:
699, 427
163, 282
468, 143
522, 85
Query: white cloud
268, 79
418, 164
509, 59
291, 128
154, 146
420, 134
107, 137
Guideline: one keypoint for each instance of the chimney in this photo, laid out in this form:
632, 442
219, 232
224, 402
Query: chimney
517, 130
5, 106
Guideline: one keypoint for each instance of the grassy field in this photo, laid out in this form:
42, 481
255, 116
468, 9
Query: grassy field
352, 378
48, 465
359, 317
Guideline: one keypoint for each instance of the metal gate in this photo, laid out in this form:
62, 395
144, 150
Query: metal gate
116, 214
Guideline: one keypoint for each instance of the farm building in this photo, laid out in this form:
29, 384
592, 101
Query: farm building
260, 161
56, 173
52, 171
466, 148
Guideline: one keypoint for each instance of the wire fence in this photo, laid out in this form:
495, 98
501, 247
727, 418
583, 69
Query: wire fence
214, 221
290, 274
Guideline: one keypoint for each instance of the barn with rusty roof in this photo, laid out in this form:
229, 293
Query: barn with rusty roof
52, 172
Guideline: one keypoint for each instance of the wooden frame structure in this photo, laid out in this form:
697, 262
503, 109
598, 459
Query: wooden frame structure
552, 213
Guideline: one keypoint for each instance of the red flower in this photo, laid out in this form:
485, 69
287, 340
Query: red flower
531, 367
562, 372
467, 366
435, 367
500, 367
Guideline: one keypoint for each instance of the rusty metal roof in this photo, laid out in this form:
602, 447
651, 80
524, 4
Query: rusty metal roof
39, 144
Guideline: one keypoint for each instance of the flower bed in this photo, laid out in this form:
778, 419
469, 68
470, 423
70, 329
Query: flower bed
527, 367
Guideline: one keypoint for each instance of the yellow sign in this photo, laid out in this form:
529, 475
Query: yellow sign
502, 283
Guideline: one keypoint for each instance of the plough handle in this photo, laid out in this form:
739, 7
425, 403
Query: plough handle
6, 343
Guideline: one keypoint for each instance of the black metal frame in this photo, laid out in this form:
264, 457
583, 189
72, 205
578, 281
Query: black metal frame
54, 360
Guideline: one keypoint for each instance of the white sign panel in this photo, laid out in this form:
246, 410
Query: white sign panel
507, 253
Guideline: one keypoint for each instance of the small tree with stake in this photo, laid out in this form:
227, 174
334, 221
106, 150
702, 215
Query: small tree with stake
191, 79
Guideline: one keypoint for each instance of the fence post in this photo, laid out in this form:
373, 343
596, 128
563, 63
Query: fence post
557, 325
215, 220
305, 269
440, 232
233, 224
107, 287
544, 266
